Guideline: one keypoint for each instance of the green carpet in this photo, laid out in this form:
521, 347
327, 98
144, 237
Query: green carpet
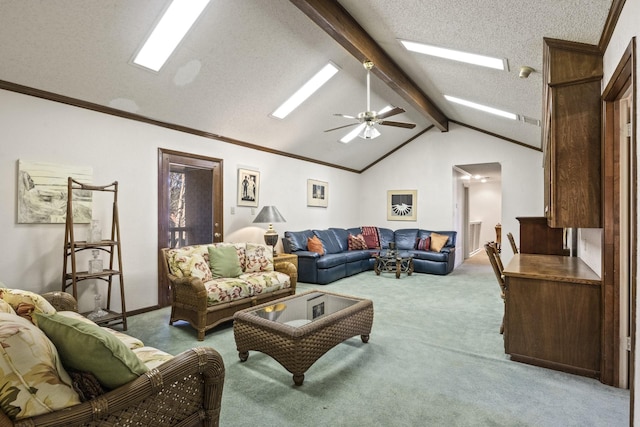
435, 358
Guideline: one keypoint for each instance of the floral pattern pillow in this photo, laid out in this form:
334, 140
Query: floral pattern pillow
190, 261
5, 307
32, 378
259, 258
24, 303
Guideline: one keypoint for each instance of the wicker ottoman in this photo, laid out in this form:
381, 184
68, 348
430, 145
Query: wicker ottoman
297, 330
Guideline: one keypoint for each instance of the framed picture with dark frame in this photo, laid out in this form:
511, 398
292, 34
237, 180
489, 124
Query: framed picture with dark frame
316, 307
248, 187
317, 193
402, 205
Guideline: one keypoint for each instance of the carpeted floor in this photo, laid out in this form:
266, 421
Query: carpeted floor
435, 358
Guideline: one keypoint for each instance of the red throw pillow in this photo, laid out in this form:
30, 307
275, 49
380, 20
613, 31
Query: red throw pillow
356, 242
370, 235
423, 244
315, 245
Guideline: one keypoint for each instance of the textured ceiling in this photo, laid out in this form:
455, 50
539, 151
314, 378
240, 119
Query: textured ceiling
245, 57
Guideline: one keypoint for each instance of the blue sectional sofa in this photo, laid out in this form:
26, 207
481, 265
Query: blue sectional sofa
338, 261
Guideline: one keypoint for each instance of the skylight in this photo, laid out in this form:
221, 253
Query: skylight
481, 107
169, 32
319, 79
456, 55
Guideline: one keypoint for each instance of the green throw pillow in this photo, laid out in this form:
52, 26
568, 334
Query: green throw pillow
224, 261
87, 347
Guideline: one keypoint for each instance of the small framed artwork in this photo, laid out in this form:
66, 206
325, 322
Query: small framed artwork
402, 205
248, 187
317, 193
316, 307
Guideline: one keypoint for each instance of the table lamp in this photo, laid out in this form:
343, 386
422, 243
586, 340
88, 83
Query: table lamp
270, 214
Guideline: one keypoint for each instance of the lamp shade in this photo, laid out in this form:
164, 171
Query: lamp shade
269, 214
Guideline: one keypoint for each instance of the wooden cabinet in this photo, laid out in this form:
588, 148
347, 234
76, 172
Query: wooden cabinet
571, 136
536, 237
552, 313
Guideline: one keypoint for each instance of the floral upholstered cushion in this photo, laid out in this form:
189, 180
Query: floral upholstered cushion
5, 307
152, 357
25, 303
32, 378
190, 261
259, 258
247, 285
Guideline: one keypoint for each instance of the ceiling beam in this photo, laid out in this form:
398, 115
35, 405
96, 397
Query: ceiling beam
339, 24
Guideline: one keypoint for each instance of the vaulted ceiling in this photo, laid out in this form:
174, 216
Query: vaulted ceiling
243, 58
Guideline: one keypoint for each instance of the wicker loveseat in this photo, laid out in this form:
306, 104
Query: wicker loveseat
39, 388
210, 282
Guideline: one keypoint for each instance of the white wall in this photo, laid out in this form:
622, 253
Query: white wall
426, 164
485, 205
117, 149
627, 28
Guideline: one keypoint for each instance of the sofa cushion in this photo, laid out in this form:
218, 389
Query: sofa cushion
33, 380
342, 238
241, 250
190, 261
152, 357
405, 238
259, 258
386, 235
314, 244
356, 242
332, 260
87, 347
5, 307
246, 285
25, 303
329, 241
297, 240
430, 255
224, 261
438, 241
371, 236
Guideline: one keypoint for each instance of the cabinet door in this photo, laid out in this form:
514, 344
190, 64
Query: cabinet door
574, 156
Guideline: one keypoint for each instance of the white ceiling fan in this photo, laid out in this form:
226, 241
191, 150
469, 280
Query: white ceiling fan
368, 119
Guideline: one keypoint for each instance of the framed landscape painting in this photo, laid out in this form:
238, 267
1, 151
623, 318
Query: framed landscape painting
248, 187
317, 193
402, 205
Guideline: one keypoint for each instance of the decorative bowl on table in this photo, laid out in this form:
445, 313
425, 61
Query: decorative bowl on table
272, 312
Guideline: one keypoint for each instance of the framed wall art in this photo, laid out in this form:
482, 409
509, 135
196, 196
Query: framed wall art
248, 187
402, 205
42, 193
317, 193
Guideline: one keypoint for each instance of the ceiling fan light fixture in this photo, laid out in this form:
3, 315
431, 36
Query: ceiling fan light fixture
481, 107
456, 55
314, 83
175, 23
369, 132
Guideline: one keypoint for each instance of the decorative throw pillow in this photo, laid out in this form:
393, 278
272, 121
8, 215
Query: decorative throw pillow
259, 258
25, 303
438, 241
315, 245
224, 262
89, 348
356, 242
241, 250
33, 380
5, 307
423, 244
371, 236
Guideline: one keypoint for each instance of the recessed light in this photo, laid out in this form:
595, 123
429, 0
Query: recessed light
169, 32
320, 78
481, 107
456, 55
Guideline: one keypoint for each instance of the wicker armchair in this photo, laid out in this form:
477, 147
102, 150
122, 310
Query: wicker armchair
184, 391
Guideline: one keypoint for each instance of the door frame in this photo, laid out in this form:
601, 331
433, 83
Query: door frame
165, 158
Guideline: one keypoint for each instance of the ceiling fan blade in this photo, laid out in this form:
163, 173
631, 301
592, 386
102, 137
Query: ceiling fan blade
340, 127
345, 116
398, 124
392, 112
